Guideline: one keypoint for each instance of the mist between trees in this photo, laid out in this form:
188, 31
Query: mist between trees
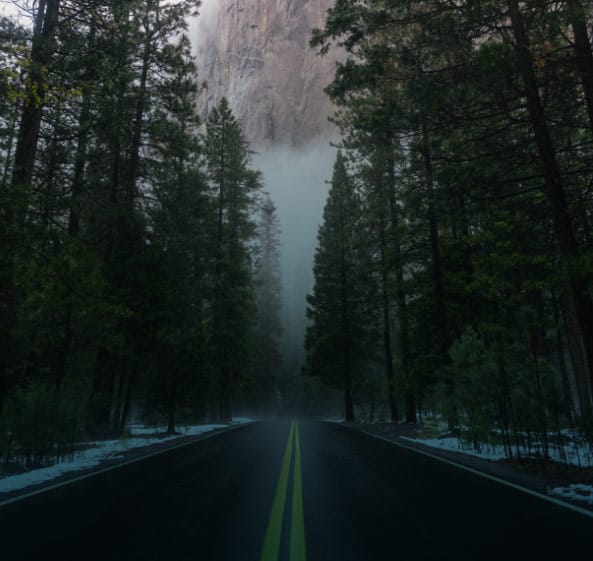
139, 251
453, 269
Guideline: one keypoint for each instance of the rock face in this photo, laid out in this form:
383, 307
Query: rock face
256, 53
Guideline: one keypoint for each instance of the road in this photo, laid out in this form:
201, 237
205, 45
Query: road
290, 491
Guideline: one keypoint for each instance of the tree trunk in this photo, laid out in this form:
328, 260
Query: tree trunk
11, 136
566, 391
226, 402
105, 378
63, 351
118, 390
134, 160
41, 52
437, 268
435, 246
579, 366
224, 376
402, 334
583, 54
172, 401
127, 402
84, 120
48, 195
579, 302
344, 282
348, 402
385, 300
118, 220
506, 405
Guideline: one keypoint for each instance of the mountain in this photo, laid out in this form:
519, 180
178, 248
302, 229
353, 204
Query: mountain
256, 53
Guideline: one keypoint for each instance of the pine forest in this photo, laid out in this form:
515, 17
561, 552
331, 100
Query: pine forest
140, 247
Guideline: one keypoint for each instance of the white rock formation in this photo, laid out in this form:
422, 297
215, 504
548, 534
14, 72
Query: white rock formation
256, 53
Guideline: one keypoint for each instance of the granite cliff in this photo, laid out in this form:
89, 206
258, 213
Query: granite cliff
257, 54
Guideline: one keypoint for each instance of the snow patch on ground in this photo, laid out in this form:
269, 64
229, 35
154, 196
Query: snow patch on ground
575, 492
453, 444
239, 420
104, 450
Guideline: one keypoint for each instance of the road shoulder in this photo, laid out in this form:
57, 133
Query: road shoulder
535, 476
125, 457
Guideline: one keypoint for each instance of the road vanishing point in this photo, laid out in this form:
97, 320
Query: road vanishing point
291, 490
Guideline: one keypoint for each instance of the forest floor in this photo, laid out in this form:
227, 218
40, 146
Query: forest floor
563, 480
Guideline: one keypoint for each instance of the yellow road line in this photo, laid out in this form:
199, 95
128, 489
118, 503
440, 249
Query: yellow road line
298, 549
271, 547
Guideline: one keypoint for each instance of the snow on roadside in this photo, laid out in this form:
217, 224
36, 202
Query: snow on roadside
575, 492
103, 450
487, 453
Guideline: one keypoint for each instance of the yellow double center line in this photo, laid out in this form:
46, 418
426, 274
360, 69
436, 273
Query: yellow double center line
273, 538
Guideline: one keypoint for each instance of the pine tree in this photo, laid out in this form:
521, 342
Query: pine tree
268, 302
13, 45
138, 60
457, 93
337, 338
179, 228
233, 187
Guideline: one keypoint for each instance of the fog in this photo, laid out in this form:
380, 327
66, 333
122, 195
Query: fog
294, 177
15, 10
208, 10
296, 180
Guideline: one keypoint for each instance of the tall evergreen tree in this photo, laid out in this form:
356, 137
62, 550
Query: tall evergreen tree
268, 301
476, 157
173, 331
13, 45
112, 108
234, 186
337, 338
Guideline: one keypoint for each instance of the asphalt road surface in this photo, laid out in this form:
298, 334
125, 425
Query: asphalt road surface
291, 491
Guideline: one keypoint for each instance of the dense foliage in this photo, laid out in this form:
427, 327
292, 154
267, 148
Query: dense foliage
469, 132
139, 257
127, 230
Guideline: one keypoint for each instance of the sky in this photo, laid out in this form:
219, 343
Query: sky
17, 8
